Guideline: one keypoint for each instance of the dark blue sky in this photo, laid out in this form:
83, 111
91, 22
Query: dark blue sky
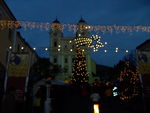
95, 12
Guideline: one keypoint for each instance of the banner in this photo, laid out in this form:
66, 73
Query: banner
18, 65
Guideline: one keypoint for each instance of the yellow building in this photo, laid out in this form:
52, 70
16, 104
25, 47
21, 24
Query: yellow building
62, 50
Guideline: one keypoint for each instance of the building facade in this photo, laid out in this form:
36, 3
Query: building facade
11, 42
63, 50
143, 60
6, 35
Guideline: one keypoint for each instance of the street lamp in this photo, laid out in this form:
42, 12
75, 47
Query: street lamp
48, 99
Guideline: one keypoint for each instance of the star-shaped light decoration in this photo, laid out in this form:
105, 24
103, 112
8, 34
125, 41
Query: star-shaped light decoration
96, 44
93, 42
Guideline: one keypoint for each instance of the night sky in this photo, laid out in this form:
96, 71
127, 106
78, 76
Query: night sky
95, 12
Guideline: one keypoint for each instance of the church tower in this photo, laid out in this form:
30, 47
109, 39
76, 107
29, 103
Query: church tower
82, 29
63, 49
55, 34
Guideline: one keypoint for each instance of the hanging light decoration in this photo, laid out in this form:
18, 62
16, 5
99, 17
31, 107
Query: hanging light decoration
96, 44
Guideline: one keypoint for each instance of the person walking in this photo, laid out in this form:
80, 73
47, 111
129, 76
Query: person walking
95, 97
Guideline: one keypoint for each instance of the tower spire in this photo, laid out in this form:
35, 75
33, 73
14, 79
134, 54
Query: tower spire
82, 20
56, 20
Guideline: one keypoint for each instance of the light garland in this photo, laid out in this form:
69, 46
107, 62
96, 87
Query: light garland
97, 45
82, 42
46, 49
126, 73
79, 70
7, 24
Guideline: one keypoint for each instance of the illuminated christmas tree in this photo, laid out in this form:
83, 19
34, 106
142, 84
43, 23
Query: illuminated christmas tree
80, 74
129, 86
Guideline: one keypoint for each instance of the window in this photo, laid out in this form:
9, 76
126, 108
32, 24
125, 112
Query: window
18, 48
73, 59
55, 43
65, 46
55, 34
10, 35
1, 13
55, 60
65, 69
73, 47
66, 60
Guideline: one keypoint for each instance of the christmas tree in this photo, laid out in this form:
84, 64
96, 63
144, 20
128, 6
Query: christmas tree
129, 83
80, 75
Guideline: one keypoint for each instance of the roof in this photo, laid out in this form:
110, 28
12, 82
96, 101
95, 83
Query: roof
144, 46
8, 10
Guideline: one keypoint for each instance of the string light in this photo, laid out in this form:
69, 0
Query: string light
131, 76
10, 47
96, 44
7, 24
127, 51
105, 43
22, 48
46, 49
105, 51
116, 50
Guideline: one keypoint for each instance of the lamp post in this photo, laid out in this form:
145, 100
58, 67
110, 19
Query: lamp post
48, 99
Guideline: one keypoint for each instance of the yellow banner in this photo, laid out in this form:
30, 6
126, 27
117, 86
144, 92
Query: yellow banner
18, 65
144, 68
